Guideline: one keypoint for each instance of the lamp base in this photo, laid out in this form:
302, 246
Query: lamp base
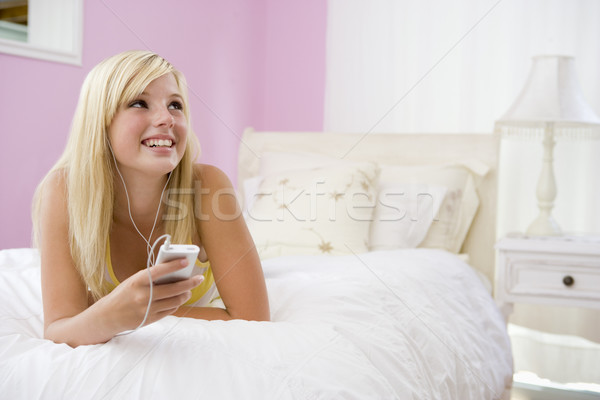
544, 225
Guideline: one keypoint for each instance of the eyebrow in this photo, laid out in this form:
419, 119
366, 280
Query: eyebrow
144, 93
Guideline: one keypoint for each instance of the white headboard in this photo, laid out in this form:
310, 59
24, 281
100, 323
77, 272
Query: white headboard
399, 149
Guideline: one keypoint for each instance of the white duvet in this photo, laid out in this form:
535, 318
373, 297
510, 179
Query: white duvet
406, 324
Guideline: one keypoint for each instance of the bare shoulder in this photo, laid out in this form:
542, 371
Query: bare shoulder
53, 213
211, 176
53, 194
56, 179
216, 195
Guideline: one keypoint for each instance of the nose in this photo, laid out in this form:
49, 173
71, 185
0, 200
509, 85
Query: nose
163, 117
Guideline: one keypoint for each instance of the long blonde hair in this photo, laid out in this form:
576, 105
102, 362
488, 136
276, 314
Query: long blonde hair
88, 167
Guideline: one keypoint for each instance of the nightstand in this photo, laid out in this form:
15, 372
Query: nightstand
560, 270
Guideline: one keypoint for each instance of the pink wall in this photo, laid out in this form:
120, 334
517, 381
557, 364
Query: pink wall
294, 85
259, 64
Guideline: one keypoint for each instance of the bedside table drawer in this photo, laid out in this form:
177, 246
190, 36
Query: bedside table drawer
559, 271
534, 278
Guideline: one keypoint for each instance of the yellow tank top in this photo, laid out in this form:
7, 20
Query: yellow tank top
202, 294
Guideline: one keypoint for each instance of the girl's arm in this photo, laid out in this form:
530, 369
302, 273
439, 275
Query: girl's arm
231, 251
67, 316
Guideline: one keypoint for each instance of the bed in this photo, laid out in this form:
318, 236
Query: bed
395, 310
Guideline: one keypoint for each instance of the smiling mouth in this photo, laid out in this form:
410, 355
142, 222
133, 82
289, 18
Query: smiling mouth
158, 143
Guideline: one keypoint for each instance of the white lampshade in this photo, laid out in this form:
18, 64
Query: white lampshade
551, 94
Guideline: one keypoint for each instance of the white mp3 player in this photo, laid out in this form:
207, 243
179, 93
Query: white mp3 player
169, 252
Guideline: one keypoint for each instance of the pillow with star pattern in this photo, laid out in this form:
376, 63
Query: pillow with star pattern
315, 211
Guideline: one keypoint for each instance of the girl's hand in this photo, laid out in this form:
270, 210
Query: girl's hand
128, 302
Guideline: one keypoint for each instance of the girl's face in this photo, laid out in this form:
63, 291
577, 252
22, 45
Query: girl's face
149, 133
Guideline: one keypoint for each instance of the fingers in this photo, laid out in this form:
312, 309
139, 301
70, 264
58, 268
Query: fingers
160, 308
167, 290
170, 304
166, 298
162, 269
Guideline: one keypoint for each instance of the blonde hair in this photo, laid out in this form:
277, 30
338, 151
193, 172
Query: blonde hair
88, 167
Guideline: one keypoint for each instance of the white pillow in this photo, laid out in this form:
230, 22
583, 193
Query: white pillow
319, 211
403, 214
454, 214
449, 229
276, 162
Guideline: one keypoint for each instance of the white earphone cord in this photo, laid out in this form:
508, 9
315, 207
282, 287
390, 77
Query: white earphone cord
149, 248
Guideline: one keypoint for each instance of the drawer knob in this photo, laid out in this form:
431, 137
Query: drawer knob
568, 280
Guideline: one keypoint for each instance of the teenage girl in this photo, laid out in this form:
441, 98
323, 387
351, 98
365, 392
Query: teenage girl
126, 177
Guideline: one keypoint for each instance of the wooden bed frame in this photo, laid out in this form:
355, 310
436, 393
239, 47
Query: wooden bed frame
398, 149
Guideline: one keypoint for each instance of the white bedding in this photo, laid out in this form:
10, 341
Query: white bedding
405, 324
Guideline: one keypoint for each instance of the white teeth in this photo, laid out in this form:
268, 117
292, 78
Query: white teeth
158, 142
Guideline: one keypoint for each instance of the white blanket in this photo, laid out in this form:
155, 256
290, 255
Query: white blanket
406, 324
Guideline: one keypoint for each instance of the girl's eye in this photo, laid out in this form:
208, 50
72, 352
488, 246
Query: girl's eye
138, 104
176, 106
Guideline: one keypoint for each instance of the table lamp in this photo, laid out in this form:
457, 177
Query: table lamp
550, 107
